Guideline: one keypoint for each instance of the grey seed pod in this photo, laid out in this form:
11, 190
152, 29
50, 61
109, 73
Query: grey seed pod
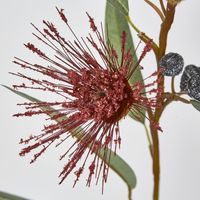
194, 88
189, 72
172, 64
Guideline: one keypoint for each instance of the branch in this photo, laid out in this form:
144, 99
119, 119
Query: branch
158, 11
162, 6
165, 27
143, 36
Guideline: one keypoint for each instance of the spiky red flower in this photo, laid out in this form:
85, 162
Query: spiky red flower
96, 95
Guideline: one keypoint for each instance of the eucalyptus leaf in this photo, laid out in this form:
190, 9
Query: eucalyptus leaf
115, 23
121, 6
7, 196
196, 104
115, 162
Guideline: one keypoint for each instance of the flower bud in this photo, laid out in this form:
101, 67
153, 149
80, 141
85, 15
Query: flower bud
172, 64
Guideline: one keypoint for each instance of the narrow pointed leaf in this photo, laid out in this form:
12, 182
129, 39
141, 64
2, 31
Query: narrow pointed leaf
7, 196
196, 104
116, 162
115, 23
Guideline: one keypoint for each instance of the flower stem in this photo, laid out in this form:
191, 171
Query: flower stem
129, 193
142, 35
147, 134
132, 24
149, 139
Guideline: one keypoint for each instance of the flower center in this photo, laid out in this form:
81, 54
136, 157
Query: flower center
101, 94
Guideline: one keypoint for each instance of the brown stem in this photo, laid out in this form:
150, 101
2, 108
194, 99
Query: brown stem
158, 11
155, 138
167, 102
156, 162
178, 98
172, 85
155, 156
129, 194
159, 51
162, 6
170, 98
165, 27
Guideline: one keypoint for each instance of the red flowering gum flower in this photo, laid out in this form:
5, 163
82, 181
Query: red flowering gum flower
96, 95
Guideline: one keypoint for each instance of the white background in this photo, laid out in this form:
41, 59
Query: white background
180, 142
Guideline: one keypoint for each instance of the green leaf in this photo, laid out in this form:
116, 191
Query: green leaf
115, 23
118, 165
115, 162
121, 6
196, 104
7, 196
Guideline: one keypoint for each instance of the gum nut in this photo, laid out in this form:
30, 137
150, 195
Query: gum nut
194, 88
189, 72
172, 64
